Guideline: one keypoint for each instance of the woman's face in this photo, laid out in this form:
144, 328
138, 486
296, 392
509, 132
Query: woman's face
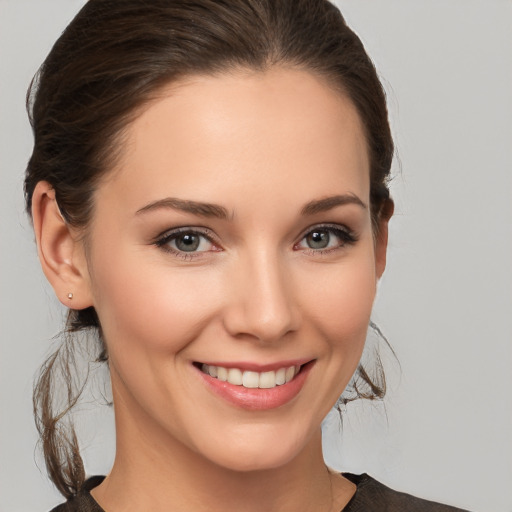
234, 237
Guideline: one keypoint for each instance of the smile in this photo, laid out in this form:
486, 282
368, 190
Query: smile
246, 388
251, 379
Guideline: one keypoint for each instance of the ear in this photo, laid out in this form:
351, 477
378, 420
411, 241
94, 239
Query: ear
381, 241
61, 252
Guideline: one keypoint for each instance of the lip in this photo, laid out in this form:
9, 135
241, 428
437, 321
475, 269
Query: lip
257, 367
257, 399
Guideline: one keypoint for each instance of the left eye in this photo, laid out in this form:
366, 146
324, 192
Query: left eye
186, 242
322, 238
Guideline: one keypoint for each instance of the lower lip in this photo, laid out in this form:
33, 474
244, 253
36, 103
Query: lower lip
256, 399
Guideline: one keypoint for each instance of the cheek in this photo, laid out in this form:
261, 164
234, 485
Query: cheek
341, 302
337, 312
146, 306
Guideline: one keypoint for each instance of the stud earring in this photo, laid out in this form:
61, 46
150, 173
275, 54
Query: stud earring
70, 295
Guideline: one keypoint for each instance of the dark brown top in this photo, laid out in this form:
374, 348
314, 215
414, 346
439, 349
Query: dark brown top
370, 496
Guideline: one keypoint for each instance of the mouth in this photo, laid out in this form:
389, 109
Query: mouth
252, 379
243, 386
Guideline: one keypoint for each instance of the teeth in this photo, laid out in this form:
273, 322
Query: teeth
290, 373
235, 376
267, 380
281, 376
250, 379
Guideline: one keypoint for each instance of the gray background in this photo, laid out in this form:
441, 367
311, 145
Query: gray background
445, 302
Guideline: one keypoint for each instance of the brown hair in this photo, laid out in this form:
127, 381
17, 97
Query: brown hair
111, 60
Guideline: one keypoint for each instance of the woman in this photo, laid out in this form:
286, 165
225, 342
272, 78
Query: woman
209, 195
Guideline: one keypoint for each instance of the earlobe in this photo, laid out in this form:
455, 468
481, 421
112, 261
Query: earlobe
61, 255
381, 242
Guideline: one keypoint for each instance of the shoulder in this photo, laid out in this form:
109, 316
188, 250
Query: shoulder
372, 496
82, 502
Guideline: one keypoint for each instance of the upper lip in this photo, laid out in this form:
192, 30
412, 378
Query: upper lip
258, 367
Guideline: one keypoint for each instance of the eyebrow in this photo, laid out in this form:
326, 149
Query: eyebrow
195, 207
217, 211
328, 203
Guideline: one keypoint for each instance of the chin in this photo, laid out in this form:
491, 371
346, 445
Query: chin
257, 453
245, 463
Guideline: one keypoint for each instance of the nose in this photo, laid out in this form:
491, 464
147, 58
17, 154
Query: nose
262, 304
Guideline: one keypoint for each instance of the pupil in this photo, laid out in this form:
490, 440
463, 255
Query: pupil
318, 239
187, 243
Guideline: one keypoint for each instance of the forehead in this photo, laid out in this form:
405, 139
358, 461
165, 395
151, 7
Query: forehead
247, 131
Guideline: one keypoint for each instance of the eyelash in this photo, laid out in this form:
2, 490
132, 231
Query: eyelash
163, 241
346, 237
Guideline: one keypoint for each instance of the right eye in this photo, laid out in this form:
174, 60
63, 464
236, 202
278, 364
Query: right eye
186, 242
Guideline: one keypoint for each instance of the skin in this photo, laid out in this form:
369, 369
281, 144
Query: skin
261, 146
